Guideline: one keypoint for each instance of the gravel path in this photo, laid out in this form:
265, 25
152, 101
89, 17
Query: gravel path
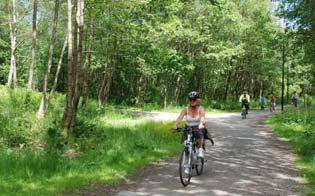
247, 159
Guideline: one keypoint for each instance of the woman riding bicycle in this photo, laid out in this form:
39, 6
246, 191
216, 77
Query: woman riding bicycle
195, 118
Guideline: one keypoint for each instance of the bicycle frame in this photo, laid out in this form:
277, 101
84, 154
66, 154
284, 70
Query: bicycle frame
244, 111
188, 157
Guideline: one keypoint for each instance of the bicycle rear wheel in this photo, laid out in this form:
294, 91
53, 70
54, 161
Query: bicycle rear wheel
184, 163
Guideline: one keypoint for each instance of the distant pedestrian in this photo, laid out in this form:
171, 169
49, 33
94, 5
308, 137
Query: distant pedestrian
262, 102
294, 99
272, 103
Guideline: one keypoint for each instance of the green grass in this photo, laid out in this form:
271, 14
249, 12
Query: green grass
111, 146
107, 157
297, 127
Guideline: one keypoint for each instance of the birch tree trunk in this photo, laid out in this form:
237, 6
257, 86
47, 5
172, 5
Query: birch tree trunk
87, 65
30, 84
176, 91
57, 71
165, 94
68, 108
12, 27
59, 66
42, 108
78, 76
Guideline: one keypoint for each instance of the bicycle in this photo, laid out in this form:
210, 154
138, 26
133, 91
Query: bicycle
244, 111
188, 158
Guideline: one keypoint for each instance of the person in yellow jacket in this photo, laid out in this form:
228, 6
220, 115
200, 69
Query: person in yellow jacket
245, 100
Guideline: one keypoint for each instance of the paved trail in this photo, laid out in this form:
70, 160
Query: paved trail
247, 160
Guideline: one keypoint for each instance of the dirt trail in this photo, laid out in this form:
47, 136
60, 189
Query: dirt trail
247, 159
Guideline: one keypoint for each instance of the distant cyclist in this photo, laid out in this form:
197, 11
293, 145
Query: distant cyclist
195, 118
245, 100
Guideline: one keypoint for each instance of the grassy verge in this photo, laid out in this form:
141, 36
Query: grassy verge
107, 146
297, 127
108, 156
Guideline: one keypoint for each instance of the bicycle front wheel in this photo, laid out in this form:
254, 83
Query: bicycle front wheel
199, 166
185, 167
244, 114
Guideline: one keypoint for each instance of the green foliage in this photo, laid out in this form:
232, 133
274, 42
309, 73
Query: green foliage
297, 127
17, 116
107, 145
107, 155
154, 52
300, 16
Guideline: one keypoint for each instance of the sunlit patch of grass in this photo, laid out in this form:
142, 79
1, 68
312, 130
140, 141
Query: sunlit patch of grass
297, 128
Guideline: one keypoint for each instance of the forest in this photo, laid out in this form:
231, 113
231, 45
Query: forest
68, 69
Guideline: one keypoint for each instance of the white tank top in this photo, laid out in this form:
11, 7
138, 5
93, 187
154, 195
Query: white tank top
192, 121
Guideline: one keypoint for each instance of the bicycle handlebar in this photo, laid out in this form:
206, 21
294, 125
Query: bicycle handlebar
182, 129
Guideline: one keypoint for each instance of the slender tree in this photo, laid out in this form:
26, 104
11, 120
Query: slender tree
74, 68
30, 84
79, 49
57, 71
42, 107
12, 27
70, 79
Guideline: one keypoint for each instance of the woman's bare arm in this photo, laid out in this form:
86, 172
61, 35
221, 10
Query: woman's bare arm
202, 118
179, 118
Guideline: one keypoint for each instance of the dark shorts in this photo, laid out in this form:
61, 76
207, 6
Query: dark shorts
198, 133
246, 104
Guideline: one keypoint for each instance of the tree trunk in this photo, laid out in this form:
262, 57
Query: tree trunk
138, 91
100, 93
288, 87
78, 79
105, 87
87, 73
227, 85
57, 71
85, 87
108, 78
42, 108
68, 109
12, 27
261, 89
165, 94
30, 84
176, 91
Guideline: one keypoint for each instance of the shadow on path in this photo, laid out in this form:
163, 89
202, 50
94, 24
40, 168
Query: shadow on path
247, 159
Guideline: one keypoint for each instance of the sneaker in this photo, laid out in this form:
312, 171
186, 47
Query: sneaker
187, 170
200, 153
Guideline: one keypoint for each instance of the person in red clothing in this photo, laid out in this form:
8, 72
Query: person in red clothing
272, 103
